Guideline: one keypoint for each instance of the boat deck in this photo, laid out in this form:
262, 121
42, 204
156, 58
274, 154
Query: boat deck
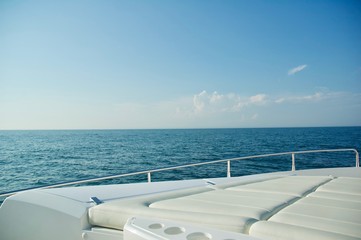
292, 207
302, 204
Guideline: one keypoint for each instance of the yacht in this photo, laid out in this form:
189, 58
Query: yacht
289, 205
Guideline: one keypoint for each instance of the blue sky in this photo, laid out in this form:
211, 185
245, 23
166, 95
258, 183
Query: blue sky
179, 64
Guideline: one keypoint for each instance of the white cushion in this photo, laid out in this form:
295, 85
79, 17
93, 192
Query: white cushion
233, 209
324, 224
331, 212
329, 202
282, 231
115, 214
295, 185
215, 202
343, 185
336, 196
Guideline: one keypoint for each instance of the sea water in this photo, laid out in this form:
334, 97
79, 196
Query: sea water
39, 158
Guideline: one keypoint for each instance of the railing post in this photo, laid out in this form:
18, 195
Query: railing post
228, 168
293, 162
149, 177
357, 160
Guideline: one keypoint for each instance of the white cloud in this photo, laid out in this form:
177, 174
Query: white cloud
198, 101
314, 97
258, 99
317, 96
320, 108
296, 69
280, 100
215, 102
215, 97
216, 109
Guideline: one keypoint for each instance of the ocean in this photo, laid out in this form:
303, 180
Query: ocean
39, 158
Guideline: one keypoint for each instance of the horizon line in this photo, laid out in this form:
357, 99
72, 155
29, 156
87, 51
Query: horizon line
190, 128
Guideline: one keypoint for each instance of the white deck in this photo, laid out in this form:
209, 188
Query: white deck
321, 204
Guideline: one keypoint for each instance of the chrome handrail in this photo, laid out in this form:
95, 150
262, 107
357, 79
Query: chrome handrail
149, 172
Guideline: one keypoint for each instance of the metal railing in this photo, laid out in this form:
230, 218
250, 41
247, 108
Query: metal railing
228, 161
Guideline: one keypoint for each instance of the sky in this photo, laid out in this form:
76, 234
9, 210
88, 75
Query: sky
179, 64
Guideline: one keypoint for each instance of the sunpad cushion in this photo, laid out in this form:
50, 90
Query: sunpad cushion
280, 231
232, 209
296, 185
333, 211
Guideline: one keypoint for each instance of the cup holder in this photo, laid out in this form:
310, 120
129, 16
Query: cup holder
143, 228
174, 230
156, 226
199, 236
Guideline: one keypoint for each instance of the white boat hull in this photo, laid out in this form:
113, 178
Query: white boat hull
63, 213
